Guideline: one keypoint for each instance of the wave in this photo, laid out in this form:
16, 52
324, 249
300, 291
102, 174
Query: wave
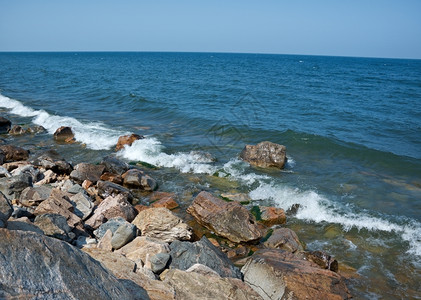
96, 135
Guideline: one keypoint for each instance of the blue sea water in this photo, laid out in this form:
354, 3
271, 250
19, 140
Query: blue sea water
352, 128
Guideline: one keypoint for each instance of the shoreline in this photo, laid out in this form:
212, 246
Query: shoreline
137, 178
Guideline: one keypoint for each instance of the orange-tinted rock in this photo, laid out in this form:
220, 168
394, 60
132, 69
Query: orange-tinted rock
115, 178
272, 215
265, 155
63, 133
140, 207
166, 202
127, 140
284, 238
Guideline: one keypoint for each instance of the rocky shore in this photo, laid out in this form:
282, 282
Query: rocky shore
80, 232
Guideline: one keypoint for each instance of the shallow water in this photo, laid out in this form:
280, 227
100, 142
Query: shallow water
352, 127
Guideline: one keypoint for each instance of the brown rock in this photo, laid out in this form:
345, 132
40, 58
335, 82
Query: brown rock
284, 238
228, 219
137, 179
105, 242
270, 216
14, 153
140, 207
279, 274
17, 130
162, 224
63, 133
324, 260
115, 178
124, 268
163, 199
127, 140
49, 177
111, 207
265, 155
85, 171
194, 285
141, 246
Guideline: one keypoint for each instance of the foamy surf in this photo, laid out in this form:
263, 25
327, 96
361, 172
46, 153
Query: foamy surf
318, 209
96, 136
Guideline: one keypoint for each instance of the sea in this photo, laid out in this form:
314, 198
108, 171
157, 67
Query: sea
351, 127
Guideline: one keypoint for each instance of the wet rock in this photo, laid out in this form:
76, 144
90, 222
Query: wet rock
23, 224
162, 224
137, 179
284, 238
228, 219
269, 215
54, 225
114, 178
124, 268
14, 153
64, 133
51, 160
238, 197
114, 165
6, 209
194, 285
159, 262
324, 260
5, 125
163, 199
265, 155
17, 130
106, 189
85, 171
185, 254
110, 208
141, 246
59, 203
123, 235
36, 129
33, 196
55, 270
127, 140
83, 205
278, 274
13, 186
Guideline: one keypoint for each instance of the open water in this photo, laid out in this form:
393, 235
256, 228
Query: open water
352, 128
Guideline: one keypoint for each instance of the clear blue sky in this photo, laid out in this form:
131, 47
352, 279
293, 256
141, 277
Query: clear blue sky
370, 28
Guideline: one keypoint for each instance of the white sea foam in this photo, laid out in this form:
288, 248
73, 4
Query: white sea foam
150, 150
96, 136
316, 208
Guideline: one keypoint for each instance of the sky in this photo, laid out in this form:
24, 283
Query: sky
362, 28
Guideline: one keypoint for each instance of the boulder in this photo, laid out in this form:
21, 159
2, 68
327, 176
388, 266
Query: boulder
85, 171
114, 178
54, 225
105, 242
5, 125
23, 224
34, 266
17, 130
185, 254
324, 260
279, 274
123, 235
64, 133
13, 186
162, 224
114, 165
6, 209
194, 285
163, 199
59, 203
265, 155
137, 179
284, 238
107, 189
269, 215
159, 262
51, 160
228, 219
83, 205
33, 196
124, 268
36, 129
127, 140
111, 207
14, 153
28, 169
141, 246
112, 225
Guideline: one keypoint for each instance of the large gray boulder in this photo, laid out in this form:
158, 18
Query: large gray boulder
34, 266
13, 186
228, 219
185, 254
279, 274
265, 155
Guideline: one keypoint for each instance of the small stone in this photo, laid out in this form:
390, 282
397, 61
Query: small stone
159, 262
85, 171
284, 238
82, 204
141, 246
112, 224
265, 155
114, 165
127, 140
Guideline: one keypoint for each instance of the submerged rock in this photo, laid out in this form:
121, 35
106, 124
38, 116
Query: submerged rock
279, 274
265, 155
127, 140
228, 219
64, 133
34, 266
17, 130
5, 125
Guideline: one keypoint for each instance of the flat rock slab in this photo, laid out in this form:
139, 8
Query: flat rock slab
185, 254
34, 266
279, 274
265, 155
228, 219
